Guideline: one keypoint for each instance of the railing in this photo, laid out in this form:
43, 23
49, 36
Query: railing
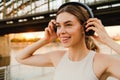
4, 73
22, 72
20, 8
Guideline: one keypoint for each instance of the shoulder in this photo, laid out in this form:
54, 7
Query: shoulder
105, 57
101, 56
102, 60
104, 63
56, 56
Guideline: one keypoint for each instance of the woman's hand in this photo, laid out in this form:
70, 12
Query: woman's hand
50, 34
101, 34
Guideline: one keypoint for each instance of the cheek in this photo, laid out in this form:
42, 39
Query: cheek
72, 31
77, 31
69, 31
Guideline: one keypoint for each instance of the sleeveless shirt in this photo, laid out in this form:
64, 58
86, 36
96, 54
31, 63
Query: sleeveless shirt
80, 70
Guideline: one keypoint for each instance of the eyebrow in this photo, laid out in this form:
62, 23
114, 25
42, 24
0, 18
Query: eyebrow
65, 22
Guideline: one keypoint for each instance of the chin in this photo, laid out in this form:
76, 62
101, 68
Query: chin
66, 45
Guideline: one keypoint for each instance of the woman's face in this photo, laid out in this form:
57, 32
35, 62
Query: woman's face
69, 30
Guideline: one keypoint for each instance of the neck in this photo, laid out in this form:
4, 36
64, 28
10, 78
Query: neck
78, 52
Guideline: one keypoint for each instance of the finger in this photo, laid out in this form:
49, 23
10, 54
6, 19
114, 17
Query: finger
46, 31
53, 21
95, 24
91, 24
91, 19
52, 25
95, 36
91, 28
95, 20
50, 31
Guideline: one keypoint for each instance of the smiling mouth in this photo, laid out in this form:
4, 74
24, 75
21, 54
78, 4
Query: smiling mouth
65, 39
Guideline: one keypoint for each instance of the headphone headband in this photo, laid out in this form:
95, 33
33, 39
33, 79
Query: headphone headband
79, 4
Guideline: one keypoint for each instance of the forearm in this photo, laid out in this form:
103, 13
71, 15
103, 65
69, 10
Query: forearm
28, 51
113, 45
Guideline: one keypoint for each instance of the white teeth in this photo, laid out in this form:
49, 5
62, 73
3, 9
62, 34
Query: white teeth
64, 38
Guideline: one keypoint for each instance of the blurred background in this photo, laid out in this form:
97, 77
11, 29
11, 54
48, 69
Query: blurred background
22, 22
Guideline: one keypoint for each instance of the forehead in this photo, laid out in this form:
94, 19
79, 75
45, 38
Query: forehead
65, 16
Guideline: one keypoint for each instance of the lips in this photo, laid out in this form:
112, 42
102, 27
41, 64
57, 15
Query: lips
64, 39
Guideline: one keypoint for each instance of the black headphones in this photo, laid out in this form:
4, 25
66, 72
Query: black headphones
90, 32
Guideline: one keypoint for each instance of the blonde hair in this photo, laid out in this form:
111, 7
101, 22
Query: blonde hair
91, 44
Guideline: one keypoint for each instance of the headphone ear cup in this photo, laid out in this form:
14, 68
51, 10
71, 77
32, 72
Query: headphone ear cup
90, 32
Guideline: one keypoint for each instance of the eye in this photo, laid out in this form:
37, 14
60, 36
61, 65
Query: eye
68, 25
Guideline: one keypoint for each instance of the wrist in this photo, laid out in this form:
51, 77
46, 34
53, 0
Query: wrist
109, 41
44, 41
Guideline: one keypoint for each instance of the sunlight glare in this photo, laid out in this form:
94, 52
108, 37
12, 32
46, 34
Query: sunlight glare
28, 35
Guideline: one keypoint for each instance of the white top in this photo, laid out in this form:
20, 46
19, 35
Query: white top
80, 70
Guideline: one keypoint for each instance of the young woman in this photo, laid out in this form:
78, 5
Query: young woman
82, 60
